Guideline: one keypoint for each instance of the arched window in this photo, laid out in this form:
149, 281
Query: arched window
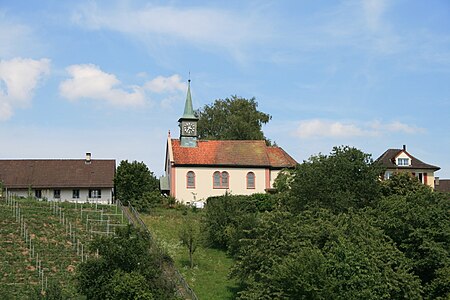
220, 180
225, 180
216, 180
190, 180
250, 180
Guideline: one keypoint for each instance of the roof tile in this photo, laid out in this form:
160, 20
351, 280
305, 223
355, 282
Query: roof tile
231, 153
60, 173
388, 160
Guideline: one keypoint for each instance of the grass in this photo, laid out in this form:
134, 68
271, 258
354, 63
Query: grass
18, 273
209, 277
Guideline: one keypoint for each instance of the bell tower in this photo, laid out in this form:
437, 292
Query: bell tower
188, 122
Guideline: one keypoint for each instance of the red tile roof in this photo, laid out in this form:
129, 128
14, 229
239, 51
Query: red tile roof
231, 153
57, 173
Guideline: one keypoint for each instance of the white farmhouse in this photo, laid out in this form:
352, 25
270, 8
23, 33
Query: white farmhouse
83, 180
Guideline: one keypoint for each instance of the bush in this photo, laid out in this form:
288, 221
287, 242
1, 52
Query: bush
228, 217
318, 255
125, 269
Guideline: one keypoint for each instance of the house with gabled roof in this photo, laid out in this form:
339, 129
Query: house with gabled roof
400, 160
75, 180
197, 169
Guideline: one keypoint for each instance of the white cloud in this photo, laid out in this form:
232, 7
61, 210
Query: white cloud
205, 28
373, 12
336, 129
163, 84
19, 78
321, 128
88, 81
396, 126
14, 37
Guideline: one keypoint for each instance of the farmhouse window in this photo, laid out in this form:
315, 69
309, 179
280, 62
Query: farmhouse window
220, 180
56, 194
95, 193
190, 180
75, 194
38, 194
250, 180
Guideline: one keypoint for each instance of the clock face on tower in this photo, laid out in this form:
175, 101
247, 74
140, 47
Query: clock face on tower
189, 128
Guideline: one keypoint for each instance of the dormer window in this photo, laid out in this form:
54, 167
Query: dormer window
403, 162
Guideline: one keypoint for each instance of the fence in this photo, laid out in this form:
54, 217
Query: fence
75, 223
177, 279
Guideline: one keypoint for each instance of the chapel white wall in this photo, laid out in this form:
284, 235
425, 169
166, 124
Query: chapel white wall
204, 182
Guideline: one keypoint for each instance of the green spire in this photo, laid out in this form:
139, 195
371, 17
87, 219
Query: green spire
188, 109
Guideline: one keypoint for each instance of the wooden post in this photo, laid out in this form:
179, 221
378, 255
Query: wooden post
42, 288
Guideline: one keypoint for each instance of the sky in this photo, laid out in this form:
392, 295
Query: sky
110, 77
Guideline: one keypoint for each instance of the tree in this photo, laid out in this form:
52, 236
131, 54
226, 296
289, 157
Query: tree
125, 266
346, 178
403, 184
227, 218
133, 182
128, 286
319, 255
416, 219
190, 236
233, 118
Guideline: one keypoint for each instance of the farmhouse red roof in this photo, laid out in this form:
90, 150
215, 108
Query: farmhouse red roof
57, 173
253, 153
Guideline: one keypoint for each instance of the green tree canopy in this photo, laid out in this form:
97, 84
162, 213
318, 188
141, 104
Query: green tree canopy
232, 118
403, 184
318, 255
125, 269
134, 183
417, 220
345, 178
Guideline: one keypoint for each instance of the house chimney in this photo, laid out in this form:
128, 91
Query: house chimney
88, 157
436, 180
404, 147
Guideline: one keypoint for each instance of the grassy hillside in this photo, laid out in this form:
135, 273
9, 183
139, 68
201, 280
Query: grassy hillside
209, 277
55, 241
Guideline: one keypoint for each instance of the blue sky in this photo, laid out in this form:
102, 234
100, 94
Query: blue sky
110, 77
